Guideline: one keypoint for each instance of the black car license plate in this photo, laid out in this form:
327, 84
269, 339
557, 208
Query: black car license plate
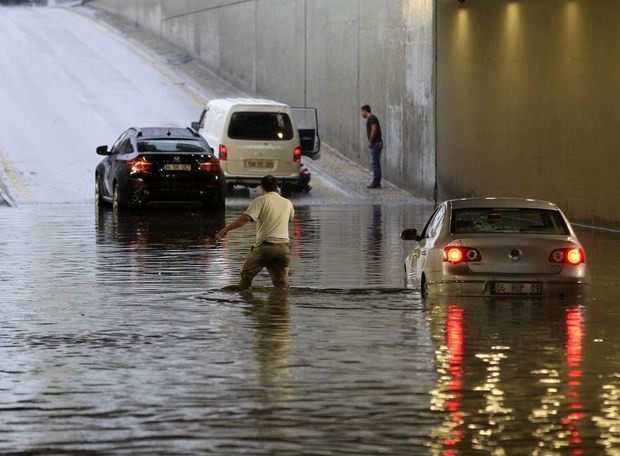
516, 288
177, 167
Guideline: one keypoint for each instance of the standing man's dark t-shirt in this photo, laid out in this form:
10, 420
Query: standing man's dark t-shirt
370, 121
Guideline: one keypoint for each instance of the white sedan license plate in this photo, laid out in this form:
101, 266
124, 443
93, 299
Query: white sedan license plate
263, 164
177, 167
528, 288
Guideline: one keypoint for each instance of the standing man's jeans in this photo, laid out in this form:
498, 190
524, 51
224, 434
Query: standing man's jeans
375, 161
274, 257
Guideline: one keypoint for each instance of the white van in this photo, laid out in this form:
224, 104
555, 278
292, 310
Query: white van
256, 137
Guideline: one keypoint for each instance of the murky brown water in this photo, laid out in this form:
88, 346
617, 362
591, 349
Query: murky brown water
120, 336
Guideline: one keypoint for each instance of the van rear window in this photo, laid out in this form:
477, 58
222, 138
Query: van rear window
261, 126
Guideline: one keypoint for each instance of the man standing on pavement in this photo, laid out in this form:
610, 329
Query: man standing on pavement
272, 214
375, 144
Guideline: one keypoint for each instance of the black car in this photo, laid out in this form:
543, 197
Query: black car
159, 164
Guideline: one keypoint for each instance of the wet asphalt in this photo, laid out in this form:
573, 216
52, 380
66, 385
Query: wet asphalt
122, 333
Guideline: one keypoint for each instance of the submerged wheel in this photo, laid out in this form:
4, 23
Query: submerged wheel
424, 288
117, 203
98, 195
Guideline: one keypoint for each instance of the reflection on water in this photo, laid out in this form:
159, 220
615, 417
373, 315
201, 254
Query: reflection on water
158, 248
121, 335
271, 315
511, 377
165, 228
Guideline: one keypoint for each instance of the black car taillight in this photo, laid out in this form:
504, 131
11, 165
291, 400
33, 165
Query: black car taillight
210, 166
139, 165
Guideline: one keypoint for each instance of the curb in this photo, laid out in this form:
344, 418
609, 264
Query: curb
5, 198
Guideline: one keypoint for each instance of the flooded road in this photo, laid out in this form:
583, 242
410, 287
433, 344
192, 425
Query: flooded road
120, 335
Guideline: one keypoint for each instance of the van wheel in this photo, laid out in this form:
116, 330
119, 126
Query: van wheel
230, 189
286, 191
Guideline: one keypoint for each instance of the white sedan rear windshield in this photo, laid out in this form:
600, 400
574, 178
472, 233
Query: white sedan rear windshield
507, 220
260, 126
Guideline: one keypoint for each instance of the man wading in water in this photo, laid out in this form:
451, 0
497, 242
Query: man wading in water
272, 214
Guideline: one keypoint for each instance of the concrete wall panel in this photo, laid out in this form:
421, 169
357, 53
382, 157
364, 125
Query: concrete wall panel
141, 13
238, 43
221, 34
280, 50
332, 72
527, 102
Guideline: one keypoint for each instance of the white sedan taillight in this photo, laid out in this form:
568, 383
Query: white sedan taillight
570, 255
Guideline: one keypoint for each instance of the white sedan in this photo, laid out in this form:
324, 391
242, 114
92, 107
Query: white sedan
497, 246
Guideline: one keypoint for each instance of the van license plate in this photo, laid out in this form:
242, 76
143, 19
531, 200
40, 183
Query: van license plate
528, 288
262, 164
177, 167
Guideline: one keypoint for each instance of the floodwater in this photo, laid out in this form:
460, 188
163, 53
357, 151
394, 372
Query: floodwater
121, 335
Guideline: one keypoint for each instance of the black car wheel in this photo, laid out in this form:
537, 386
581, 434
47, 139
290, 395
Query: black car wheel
216, 205
98, 196
215, 201
117, 203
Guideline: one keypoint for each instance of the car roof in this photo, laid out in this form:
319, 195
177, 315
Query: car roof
166, 133
490, 202
227, 103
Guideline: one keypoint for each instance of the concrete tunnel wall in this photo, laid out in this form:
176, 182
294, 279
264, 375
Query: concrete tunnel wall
476, 98
528, 102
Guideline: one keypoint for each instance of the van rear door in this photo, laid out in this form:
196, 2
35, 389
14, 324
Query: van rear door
261, 142
308, 126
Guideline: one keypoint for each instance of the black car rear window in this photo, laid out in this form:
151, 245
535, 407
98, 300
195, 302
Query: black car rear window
171, 145
507, 220
260, 126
